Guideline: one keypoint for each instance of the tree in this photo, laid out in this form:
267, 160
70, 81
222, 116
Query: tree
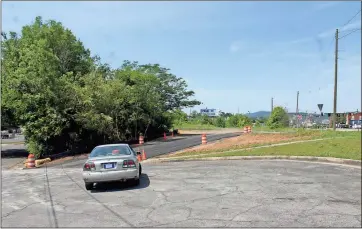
68, 100
238, 120
220, 122
341, 118
278, 119
173, 89
178, 117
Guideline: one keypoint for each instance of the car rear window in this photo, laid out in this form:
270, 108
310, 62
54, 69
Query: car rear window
105, 151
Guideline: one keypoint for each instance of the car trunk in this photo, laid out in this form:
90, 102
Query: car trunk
109, 163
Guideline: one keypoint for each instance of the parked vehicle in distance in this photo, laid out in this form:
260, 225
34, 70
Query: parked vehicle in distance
112, 162
5, 134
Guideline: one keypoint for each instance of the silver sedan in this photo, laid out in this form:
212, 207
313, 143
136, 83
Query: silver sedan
114, 162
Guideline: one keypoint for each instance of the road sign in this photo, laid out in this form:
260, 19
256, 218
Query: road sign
320, 106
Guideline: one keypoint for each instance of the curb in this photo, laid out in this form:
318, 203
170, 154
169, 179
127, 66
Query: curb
297, 158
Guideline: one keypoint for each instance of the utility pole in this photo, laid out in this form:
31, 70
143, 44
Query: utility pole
272, 106
297, 110
335, 83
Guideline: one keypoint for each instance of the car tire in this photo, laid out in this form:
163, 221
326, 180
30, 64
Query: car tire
88, 186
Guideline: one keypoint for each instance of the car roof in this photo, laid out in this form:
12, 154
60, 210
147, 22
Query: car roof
111, 145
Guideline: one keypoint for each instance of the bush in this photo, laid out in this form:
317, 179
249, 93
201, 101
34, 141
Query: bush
238, 121
220, 122
279, 118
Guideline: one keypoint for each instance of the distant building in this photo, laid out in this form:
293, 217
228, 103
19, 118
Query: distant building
354, 118
210, 112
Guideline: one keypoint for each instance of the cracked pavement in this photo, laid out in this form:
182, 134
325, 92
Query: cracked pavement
189, 194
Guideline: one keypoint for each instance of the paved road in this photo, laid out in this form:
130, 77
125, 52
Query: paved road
160, 147
18, 138
12, 154
189, 194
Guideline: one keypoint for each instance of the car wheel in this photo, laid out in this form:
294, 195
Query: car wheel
88, 186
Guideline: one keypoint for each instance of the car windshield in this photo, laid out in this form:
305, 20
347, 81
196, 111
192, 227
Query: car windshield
106, 151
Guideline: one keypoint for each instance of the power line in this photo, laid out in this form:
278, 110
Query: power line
349, 33
351, 19
348, 30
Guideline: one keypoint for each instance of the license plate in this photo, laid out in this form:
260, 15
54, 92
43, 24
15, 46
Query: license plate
108, 166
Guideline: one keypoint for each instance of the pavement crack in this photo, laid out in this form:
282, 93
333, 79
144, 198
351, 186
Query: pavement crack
334, 200
310, 209
242, 212
18, 210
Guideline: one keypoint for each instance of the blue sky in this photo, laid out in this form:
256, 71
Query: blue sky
234, 55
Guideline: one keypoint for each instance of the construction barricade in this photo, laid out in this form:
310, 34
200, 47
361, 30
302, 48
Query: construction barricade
203, 139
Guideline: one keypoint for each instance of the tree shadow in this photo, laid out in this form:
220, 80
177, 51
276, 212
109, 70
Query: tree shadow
158, 141
14, 153
122, 186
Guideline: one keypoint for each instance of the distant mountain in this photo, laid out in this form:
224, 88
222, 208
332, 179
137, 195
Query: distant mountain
266, 114
259, 114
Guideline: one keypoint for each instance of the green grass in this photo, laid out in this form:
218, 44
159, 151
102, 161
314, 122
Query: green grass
299, 135
192, 126
346, 147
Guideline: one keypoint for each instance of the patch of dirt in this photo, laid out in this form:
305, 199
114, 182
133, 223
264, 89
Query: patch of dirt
243, 141
217, 131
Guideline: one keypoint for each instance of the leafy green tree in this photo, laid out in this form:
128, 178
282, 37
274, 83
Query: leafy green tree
279, 118
238, 121
178, 117
341, 118
220, 122
205, 120
68, 100
243, 121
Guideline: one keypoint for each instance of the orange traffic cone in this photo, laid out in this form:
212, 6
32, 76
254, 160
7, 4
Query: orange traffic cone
144, 156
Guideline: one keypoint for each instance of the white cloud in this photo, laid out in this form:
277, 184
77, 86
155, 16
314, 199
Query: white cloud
235, 46
325, 5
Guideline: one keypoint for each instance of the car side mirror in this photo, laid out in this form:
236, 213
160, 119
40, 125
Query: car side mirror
138, 153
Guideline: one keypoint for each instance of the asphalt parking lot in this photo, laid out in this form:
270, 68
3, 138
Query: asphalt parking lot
189, 194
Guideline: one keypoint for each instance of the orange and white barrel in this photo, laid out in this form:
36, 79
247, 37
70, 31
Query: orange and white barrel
249, 129
31, 161
245, 129
203, 139
141, 140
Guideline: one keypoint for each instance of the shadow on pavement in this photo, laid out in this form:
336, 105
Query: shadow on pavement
156, 142
13, 153
122, 186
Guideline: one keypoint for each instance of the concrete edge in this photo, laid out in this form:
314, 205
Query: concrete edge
298, 158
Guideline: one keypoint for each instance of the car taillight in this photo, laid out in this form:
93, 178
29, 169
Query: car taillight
89, 166
129, 164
